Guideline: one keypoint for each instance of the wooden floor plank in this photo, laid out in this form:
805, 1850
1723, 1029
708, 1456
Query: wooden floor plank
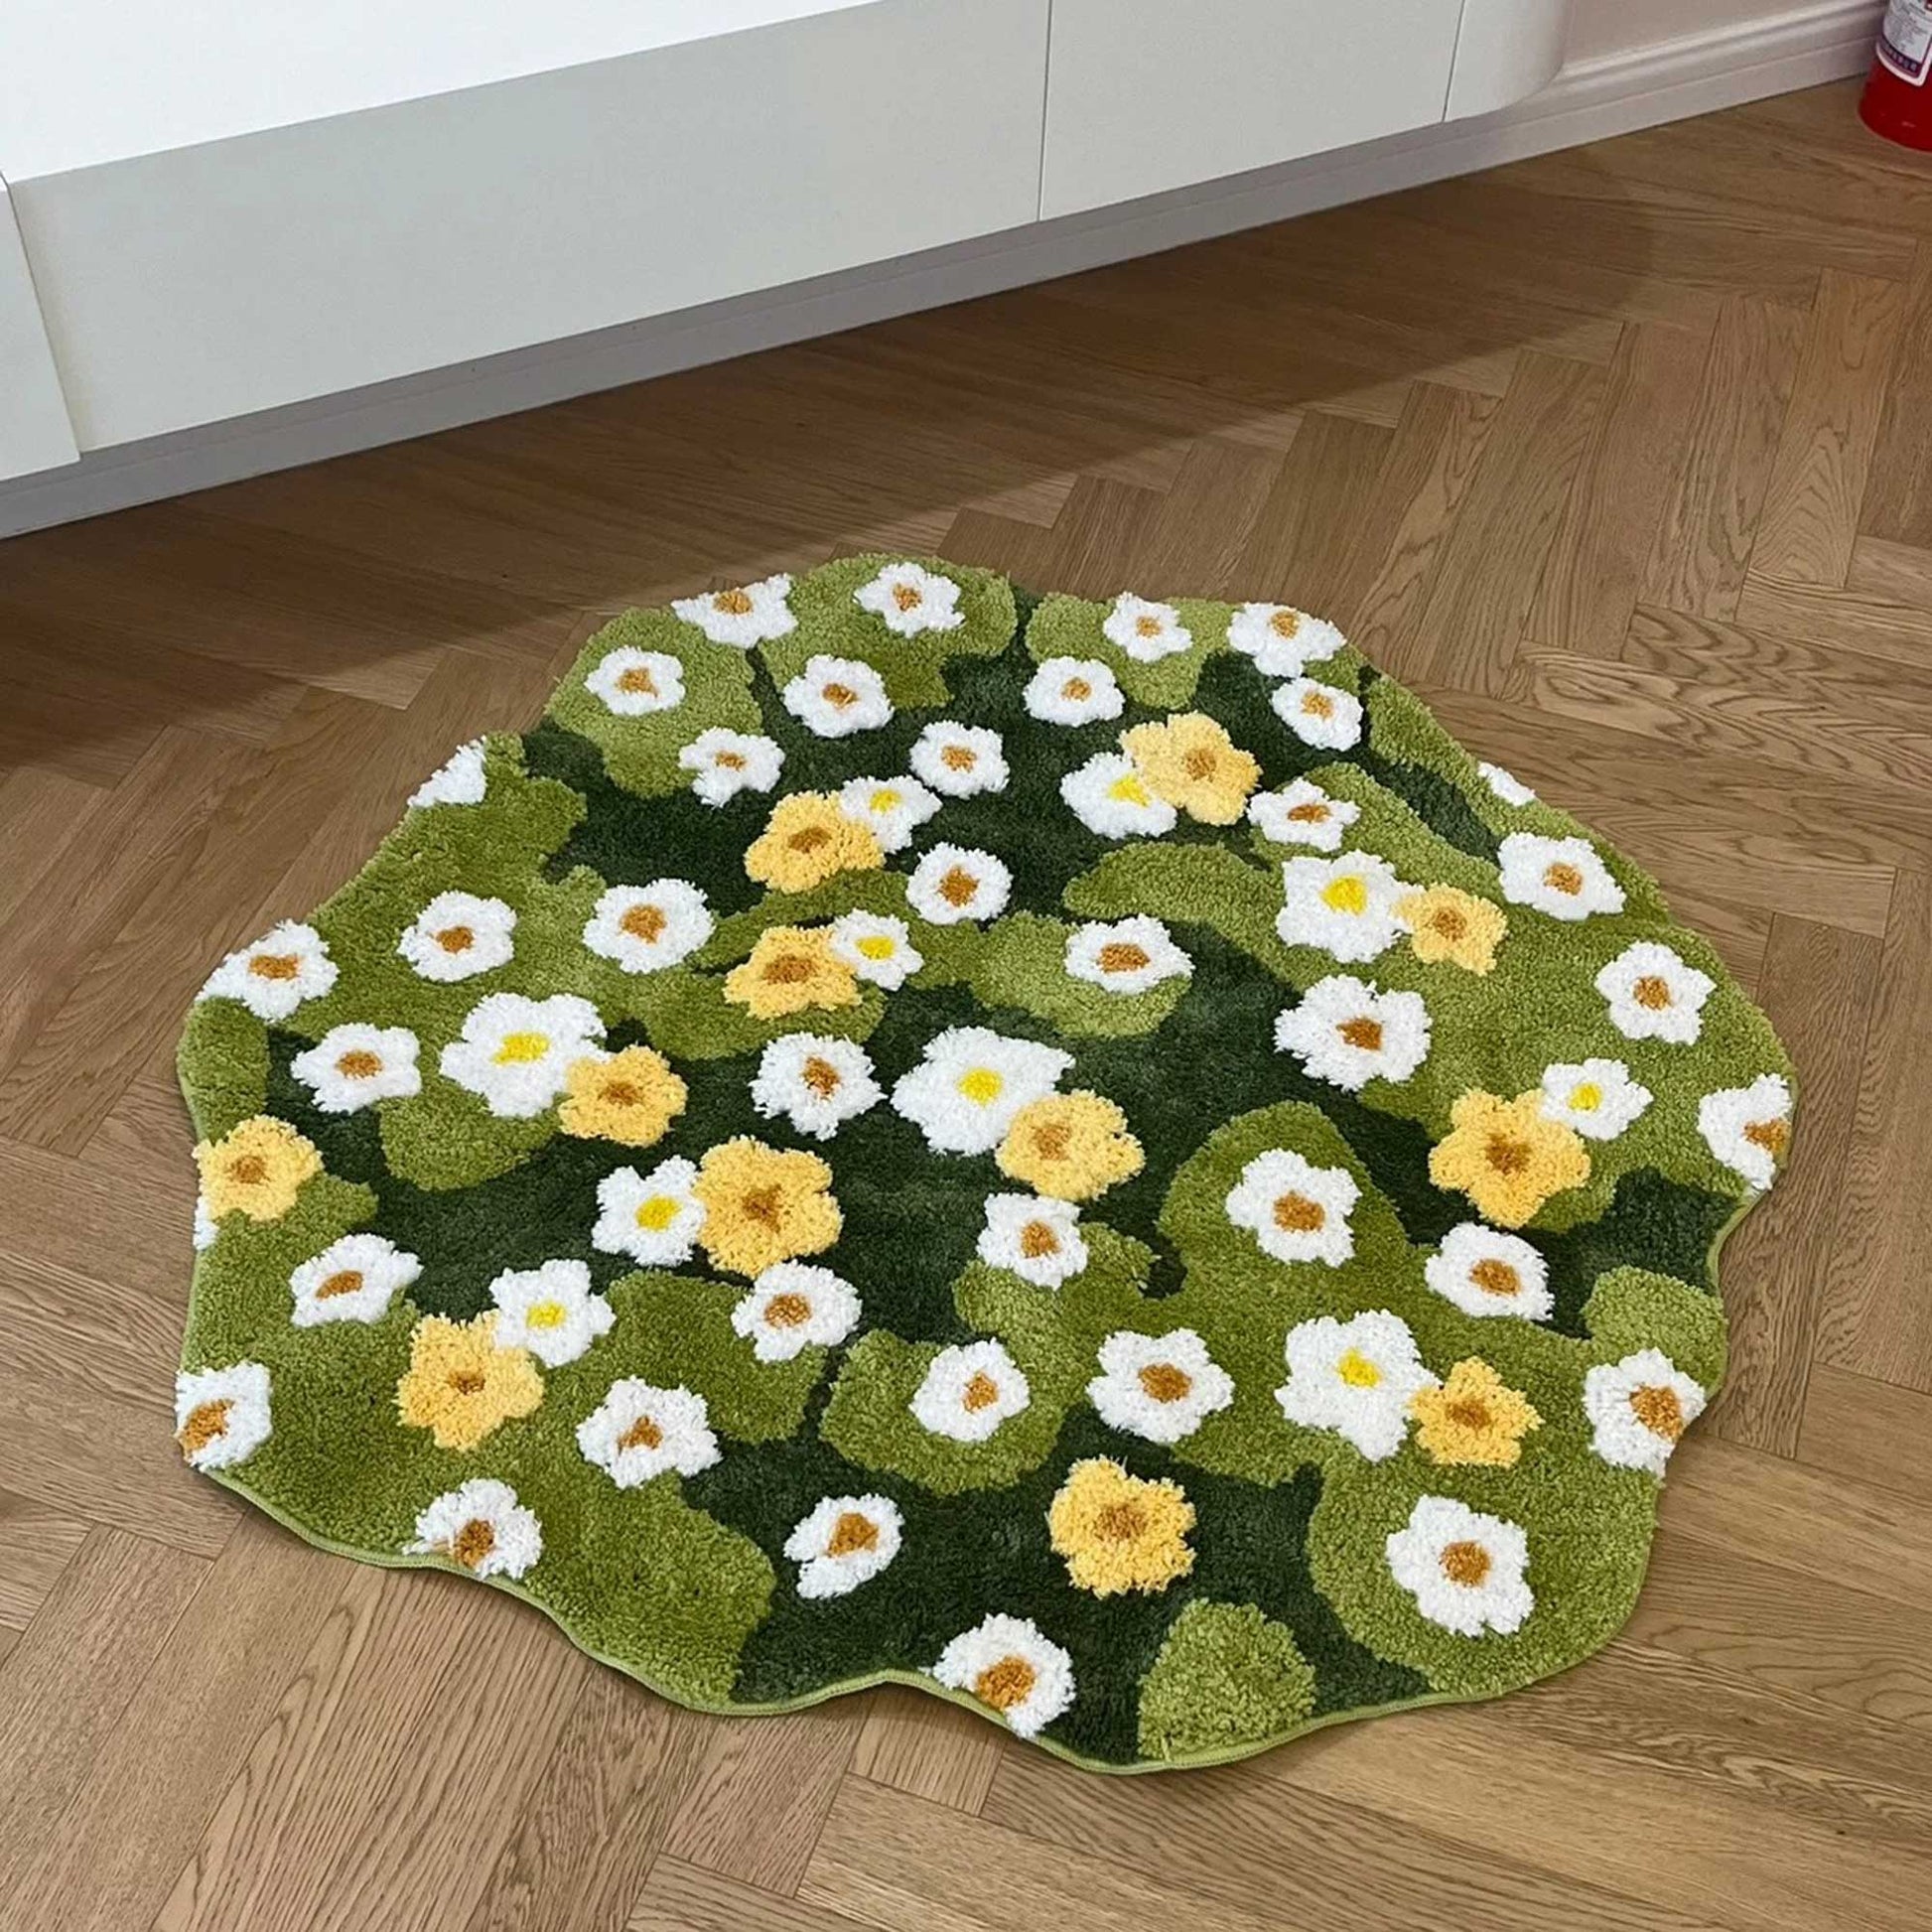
1819, 475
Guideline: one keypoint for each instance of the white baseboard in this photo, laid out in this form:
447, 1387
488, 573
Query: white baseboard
1588, 102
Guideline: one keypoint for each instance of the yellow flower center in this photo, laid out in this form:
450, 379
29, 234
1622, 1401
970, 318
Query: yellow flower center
959, 758
1317, 704
874, 945
1147, 627
1345, 894
1129, 789
981, 1085
1586, 1097
518, 1050
885, 799
657, 1214
545, 1315
1285, 623
1358, 1370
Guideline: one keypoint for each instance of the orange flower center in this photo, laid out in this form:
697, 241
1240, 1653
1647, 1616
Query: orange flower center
1563, 877
645, 923
787, 1310
1506, 1153
733, 604
472, 1542
1162, 1382
841, 697
852, 1532
1123, 957
1466, 1564
638, 679
642, 1433
1652, 992
275, 965
1037, 1240
1005, 1684
1496, 1277
821, 1076
359, 1064
1656, 1406
205, 1422
1362, 1032
958, 887
980, 1393
344, 1281
1296, 1214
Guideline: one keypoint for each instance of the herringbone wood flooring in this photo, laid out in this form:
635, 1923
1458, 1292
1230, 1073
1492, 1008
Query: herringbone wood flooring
1625, 459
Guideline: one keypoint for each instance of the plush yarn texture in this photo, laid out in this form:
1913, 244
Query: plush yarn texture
1082, 1156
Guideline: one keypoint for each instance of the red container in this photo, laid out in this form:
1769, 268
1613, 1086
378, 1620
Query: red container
1897, 100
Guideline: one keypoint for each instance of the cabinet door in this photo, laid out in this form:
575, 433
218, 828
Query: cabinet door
1144, 96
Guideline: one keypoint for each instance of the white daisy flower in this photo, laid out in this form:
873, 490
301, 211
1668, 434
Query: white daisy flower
1464, 1569
1357, 1377
1145, 631
1638, 1408
952, 883
1596, 1097
517, 1052
1564, 878
460, 781
1283, 640
793, 1306
1108, 796
1006, 1664
653, 1218
1160, 1387
1654, 995
969, 1391
351, 1280
550, 1310
723, 762
1302, 814
816, 1082
1036, 1238
1073, 691
354, 1065
481, 1526
1128, 956
638, 1432
959, 759
1509, 789
971, 1083
836, 696
634, 683
891, 808
644, 929
1322, 715
908, 599
458, 936
222, 1414
276, 974
1748, 1128
754, 614
1348, 1031
877, 946
845, 1542
206, 1232
1296, 1211
1488, 1273
1343, 907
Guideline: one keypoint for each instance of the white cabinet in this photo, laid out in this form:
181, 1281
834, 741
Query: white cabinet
214, 210
1147, 94
188, 278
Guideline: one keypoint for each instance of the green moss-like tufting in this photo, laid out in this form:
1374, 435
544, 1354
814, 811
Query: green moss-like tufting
1028, 1320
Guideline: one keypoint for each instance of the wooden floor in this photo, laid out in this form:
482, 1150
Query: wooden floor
1624, 458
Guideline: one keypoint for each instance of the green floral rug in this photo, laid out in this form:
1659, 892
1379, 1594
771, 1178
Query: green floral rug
1084, 1157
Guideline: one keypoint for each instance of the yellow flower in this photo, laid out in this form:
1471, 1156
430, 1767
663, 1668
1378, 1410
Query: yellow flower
1191, 763
1475, 1417
631, 1096
761, 1207
806, 840
1072, 1146
792, 967
1118, 1532
257, 1168
1447, 925
1506, 1157
460, 1385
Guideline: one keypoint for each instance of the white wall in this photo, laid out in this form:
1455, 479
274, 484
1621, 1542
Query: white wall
1610, 26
